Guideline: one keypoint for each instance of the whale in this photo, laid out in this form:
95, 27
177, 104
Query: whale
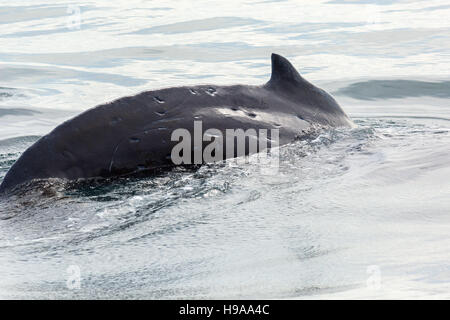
135, 133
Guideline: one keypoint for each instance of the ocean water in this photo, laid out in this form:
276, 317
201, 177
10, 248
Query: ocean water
351, 213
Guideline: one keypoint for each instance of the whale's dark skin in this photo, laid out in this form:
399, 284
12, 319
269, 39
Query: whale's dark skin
134, 133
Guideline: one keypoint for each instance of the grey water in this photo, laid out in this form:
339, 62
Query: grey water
350, 213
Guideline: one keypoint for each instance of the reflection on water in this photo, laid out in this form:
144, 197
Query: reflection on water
345, 203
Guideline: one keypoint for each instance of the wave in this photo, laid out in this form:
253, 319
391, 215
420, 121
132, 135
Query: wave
17, 112
395, 89
198, 25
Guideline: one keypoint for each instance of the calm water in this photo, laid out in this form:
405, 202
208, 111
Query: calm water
352, 213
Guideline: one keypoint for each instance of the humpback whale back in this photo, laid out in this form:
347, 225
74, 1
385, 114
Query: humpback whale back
134, 133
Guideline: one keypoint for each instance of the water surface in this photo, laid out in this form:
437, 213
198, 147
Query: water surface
352, 213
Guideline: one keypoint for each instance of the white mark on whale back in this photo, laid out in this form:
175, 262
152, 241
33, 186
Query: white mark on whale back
158, 99
270, 119
211, 91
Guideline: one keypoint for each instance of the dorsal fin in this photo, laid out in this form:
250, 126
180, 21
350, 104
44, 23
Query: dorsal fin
284, 72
